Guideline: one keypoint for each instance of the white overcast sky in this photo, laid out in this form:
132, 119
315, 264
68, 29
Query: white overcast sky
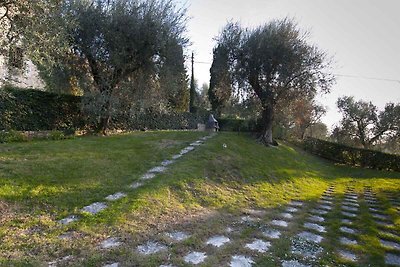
363, 36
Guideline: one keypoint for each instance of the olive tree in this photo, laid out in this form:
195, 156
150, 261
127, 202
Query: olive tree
276, 62
117, 39
364, 125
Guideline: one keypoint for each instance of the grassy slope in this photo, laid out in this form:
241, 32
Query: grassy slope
44, 181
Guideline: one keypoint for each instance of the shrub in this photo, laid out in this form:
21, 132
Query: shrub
32, 110
56, 135
239, 125
157, 121
12, 136
352, 156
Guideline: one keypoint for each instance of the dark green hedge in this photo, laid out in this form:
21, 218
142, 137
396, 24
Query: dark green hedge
157, 121
32, 110
239, 125
352, 156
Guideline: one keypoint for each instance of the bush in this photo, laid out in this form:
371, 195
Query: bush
32, 110
157, 121
12, 136
56, 135
239, 125
352, 156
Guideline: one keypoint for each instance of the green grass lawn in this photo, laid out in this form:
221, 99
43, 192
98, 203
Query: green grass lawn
42, 182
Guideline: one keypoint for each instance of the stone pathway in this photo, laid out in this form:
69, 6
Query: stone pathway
301, 229
97, 207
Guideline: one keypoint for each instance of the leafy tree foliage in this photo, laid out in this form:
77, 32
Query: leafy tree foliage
202, 98
37, 28
276, 63
299, 118
117, 39
220, 89
362, 123
173, 78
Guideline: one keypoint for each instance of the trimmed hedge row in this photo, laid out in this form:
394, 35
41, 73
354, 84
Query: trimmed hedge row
157, 121
239, 125
32, 110
352, 156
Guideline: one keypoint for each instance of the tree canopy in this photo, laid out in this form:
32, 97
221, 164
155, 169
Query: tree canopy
362, 123
103, 47
276, 63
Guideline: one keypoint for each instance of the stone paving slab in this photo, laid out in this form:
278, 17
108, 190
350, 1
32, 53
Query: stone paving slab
347, 230
315, 218
349, 208
373, 210
116, 196
296, 203
69, 219
293, 263
347, 241
136, 185
177, 156
151, 247
286, 215
347, 255
390, 244
319, 211
178, 236
305, 248
346, 221
249, 219
258, 213
241, 261
157, 169
353, 204
186, 150
195, 257
148, 176
380, 216
271, 233
94, 208
291, 209
167, 162
315, 227
308, 236
326, 202
218, 241
328, 198
280, 223
392, 259
349, 214
110, 243
325, 207
259, 245
384, 224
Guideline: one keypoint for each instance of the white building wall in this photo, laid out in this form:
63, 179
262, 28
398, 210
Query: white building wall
27, 78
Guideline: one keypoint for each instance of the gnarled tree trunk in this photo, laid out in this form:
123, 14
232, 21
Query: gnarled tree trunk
105, 112
267, 120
